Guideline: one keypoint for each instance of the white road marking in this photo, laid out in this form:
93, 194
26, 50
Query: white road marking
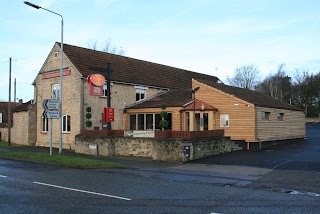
83, 191
78, 190
281, 164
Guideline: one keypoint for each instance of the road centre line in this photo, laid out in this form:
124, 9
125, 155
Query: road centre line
83, 191
3, 176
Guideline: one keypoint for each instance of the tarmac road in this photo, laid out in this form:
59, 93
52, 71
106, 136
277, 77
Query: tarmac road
292, 166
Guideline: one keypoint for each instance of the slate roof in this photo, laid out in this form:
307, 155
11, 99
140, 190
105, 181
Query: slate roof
129, 70
250, 96
22, 107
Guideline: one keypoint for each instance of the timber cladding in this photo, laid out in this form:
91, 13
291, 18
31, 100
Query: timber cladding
280, 124
241, 113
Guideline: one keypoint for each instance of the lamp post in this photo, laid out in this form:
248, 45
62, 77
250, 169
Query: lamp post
194, 108
61, 64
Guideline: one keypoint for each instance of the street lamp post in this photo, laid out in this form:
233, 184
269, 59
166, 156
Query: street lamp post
194, 108
61, 64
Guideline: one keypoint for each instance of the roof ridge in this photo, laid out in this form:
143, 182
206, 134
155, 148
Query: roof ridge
135, 59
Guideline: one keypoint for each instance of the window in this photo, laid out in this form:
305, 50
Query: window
140, 121
266, 115
150, 121
105, 91
56, 54
45, 125
197, 122
140, 92
55, 91
1, 117
66, 120
133, 122
187, 121
281, 116
205, 121
224, 120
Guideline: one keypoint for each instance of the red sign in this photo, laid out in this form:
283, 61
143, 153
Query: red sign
55, 74
108, 114
97, 79
96, 82
95, 90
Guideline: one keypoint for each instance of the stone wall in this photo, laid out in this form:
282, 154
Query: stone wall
4, 134
173, 150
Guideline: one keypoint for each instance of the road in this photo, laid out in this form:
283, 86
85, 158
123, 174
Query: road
282, 179
37, 188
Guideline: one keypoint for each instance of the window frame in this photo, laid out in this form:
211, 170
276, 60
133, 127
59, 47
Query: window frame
56, 88
1, 117
226, 119
66, 119
44, 124
140, 93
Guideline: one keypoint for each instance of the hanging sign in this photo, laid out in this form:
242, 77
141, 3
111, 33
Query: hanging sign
108, 114
96, 82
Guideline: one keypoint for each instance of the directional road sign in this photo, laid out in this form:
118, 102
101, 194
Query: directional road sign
51, 114
50, 104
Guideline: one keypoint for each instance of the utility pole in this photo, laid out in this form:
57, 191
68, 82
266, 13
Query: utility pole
14, 93
9, 105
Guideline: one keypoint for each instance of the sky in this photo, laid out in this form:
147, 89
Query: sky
207, 36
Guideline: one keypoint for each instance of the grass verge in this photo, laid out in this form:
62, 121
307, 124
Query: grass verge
61, 160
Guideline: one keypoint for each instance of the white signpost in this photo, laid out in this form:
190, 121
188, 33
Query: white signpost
51, 114
51, 108
50, 104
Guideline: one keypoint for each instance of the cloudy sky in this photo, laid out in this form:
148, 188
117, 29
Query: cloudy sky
207, 36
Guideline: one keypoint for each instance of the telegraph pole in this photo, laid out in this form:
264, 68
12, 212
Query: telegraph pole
9, 105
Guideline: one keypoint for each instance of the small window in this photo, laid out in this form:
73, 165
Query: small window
105, 91
224, 120
266, 115
45, 125
280, 116
56, 54
55, 91
1, 117
140, 92
66, 123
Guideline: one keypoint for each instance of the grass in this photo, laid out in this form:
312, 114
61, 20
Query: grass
61, 160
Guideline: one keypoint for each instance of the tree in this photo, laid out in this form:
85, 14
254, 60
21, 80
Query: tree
108, 47
244, 77
277, 86
306, 92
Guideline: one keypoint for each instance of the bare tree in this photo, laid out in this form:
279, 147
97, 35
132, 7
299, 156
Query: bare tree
277, 86
108, 47
244, 77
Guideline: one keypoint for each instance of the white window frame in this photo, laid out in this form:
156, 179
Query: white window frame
44, 124
55, 91
1, 120
65, 123
56, 54
140, 90
224, 120
105, 90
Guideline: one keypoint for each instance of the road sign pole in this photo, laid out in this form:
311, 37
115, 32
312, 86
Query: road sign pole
51, 137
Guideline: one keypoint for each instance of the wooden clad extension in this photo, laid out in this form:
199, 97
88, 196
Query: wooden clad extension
241, 113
